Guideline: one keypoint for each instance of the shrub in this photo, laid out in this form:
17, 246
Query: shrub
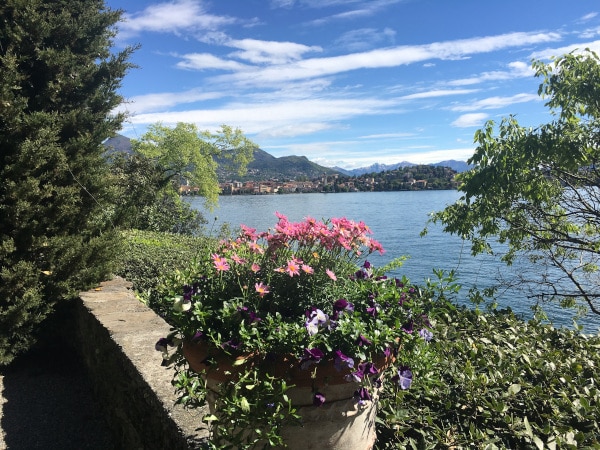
500, 382
148, 256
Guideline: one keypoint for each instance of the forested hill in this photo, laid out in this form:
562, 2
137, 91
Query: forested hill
400, 179
266, 167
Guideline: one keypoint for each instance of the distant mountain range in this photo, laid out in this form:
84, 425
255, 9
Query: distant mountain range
266, 166
458, 166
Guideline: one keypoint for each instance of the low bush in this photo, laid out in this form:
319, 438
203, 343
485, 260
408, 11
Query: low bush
148, 256
499, 382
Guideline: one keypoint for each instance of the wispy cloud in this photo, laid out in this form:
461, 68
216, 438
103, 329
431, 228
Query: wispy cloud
470, 120
554, 52
387, 136
172, 17
269, 52
267, 116
515, 69
160, 101
294, 130
438, 93
588, 17
365, 38
204, 61
387, 57
496, 102
362, 9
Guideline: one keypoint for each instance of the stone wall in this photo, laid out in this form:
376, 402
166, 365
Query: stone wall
116, 336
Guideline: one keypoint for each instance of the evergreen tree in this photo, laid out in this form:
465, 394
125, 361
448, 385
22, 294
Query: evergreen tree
58, 88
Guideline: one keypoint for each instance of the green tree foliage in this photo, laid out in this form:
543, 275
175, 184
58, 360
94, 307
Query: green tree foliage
145, 200
537, 189
184, 154
57, 90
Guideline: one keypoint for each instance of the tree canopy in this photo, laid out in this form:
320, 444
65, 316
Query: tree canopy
536, 190
184, 154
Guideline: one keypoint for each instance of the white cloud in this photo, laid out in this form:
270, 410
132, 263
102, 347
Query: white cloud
363, 38
590, 33
293, 130
172, 17
272, 52
589, 16
387, 136
271, 116
496, 102
388, 57
553, 52
153, 102
470, 120
438, 93
363, 9
516, 69
203, 61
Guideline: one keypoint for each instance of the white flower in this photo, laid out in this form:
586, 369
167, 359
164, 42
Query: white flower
180, 304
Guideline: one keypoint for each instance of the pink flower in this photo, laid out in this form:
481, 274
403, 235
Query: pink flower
293, 268
220, 263
248, 232
330, 274
255, 248
237, 259
262, 289
307, 269
255, 267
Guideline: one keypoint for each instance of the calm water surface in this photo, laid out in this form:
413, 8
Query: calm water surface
396, 219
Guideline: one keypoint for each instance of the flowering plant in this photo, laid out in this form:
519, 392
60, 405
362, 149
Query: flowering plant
304, 291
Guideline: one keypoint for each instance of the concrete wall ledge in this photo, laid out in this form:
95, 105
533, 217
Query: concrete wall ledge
116, 337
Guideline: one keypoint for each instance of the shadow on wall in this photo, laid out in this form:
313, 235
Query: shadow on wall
47, 403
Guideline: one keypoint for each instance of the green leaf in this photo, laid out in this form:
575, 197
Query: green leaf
244, 404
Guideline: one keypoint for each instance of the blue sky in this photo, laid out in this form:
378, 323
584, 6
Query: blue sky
346, 83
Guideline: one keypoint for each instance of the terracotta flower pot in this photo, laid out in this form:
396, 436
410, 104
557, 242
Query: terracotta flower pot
341, 422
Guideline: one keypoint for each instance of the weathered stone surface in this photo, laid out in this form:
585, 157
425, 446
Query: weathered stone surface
116, 335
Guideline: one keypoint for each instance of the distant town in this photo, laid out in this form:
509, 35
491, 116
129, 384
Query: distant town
414, 178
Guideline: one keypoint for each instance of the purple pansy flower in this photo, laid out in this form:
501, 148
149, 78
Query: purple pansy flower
362, 395
364, 370
318, 399
311, 356
197, 336
235, 344
404, 377
340, 307
250, 315
342, 361
402, 299
316, 320
368, 368
354, 377
426, 334
361, 340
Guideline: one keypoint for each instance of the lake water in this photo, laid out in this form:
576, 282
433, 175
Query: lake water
396, 219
